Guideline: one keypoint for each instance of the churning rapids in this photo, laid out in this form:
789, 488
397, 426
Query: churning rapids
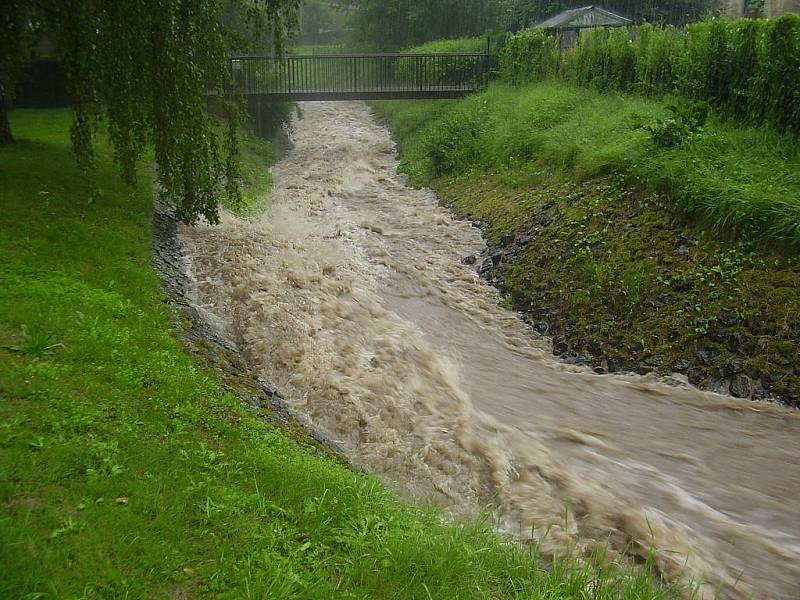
350, 295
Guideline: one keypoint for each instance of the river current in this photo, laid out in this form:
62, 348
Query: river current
351, 296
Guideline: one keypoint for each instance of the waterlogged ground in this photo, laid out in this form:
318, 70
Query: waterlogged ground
350, 295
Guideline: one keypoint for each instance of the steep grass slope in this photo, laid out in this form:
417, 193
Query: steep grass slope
742, 181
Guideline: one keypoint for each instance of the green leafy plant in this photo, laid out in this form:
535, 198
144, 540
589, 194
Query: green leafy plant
531, 55
147, 83
686, 120
36, 342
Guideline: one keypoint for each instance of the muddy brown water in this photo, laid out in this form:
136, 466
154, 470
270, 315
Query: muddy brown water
350, 295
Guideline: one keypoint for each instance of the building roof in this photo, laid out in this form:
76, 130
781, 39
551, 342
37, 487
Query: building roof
588, 16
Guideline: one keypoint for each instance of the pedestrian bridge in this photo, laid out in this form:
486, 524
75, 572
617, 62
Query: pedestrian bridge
359, 76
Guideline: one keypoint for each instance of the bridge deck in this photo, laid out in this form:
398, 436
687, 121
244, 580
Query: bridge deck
374, 94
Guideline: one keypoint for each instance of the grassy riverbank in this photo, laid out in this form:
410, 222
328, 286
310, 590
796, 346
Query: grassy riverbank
128, 471
631, 255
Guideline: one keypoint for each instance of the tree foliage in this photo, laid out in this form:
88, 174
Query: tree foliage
322, 22
394, 24
143, 69
397, 24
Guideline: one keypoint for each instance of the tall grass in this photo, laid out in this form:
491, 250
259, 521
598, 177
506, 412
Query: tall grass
747, 69
740, 181
519, 131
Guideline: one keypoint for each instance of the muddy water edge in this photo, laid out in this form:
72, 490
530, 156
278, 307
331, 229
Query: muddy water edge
351, 296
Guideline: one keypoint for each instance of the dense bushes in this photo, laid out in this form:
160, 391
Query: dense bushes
469, 44
528, 56
746, 69
379, 25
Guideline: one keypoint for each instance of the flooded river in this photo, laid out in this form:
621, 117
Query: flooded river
350, 295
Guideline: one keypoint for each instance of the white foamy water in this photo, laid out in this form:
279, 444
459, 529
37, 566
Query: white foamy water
350, 295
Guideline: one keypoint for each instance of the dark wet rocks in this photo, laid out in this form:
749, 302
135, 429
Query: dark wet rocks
736, 341
741, 386
733, 366
541, 327
636, 348
681, 285
720, 361
706, 356
661, 301
560, 347
543, 269
487, 264
681, 366
729, 319
718, 335
656, 361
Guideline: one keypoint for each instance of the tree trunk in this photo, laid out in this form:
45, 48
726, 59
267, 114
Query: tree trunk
5, 125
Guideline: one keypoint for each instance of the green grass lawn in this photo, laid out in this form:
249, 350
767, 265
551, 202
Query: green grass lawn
127, 472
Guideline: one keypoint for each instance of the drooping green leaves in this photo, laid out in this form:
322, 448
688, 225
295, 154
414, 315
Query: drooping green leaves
145, 69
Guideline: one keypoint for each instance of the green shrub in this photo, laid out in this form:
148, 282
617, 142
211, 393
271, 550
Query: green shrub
746, 69
686, 120
658, 50
531, 55
603, 59
472, 44
586, 63
744, 36
453, 68
775, 93
621, 59
456, 139
707, 63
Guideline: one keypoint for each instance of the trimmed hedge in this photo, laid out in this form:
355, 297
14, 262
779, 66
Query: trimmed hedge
747, 69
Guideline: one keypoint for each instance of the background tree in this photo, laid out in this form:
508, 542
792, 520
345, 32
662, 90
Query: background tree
142, 69
17, 35
396, 24
322, 22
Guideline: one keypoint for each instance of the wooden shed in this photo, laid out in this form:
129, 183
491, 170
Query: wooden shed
581, 18
570, 22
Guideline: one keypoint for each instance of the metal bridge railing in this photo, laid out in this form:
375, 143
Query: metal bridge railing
363, 74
